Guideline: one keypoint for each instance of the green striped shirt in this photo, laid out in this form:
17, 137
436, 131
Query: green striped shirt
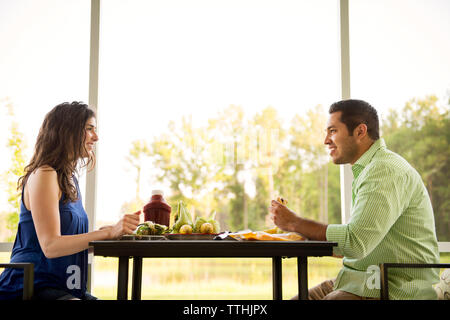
391, 221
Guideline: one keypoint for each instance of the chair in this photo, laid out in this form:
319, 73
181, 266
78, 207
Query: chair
28, 277
384, 267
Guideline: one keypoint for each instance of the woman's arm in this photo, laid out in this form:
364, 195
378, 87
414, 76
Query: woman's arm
43, 200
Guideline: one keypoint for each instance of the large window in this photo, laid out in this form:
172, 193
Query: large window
400, 63
44, 60
220, 103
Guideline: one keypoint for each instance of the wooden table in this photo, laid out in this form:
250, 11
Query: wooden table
139, 249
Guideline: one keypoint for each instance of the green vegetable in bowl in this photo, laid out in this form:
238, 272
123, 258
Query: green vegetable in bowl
149, 228
160, 228
145, 229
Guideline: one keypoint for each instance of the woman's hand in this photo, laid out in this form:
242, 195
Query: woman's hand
126, 225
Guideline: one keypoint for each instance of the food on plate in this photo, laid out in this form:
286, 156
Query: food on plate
265, 236
274, 230
215, 224
207, 228
183, 222
282, 200
198, 224
186, 229
182, 217
207, 225
149, 228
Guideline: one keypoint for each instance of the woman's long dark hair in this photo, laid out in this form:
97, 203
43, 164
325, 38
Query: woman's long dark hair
60, 145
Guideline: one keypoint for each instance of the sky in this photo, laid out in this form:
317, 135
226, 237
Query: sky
160, 60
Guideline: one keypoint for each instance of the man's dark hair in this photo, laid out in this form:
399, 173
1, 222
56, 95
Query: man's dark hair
355, 112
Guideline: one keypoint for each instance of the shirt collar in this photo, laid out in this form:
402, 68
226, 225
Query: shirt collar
365, 159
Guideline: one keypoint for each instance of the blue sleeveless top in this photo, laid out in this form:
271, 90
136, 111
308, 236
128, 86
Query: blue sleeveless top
68, 273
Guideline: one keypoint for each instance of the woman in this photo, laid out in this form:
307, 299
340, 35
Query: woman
53, 225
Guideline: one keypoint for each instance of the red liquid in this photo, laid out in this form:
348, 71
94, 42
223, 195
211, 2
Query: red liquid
157, 210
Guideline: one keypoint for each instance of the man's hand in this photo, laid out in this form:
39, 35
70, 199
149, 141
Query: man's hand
287, 220
283, 218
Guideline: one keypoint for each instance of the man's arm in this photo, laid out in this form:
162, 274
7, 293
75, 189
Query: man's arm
379, 201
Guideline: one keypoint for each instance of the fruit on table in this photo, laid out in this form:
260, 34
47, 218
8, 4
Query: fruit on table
207, 228
207, 225
186, 229
201, 225
182, 218
212, 220
198, 224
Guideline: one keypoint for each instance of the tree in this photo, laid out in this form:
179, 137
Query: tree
16, 145
183, 160
307, 148
230, 132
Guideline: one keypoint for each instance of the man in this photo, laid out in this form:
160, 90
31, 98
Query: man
391, 217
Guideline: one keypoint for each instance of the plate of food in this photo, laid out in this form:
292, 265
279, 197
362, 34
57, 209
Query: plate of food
274, 234
184, 228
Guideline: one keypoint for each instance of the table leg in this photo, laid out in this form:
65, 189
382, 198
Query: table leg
122, 281
137, 279
277, 278
302, 268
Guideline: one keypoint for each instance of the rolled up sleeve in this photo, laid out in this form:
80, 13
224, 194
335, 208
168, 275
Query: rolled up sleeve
337, 233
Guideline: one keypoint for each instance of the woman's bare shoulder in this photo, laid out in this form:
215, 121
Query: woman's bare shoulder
42, 184
44, 174
45, 168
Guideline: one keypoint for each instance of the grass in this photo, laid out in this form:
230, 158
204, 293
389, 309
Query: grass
210, 279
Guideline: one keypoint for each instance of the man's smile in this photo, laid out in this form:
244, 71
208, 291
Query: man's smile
332, 149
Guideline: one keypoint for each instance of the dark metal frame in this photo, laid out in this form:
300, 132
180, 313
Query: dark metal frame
28, 277
384, 267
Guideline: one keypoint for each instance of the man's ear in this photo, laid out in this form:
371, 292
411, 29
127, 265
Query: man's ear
360, 131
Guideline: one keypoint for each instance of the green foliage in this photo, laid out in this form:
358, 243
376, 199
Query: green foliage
16, 146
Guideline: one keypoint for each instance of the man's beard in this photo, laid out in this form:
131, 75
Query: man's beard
347, 153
